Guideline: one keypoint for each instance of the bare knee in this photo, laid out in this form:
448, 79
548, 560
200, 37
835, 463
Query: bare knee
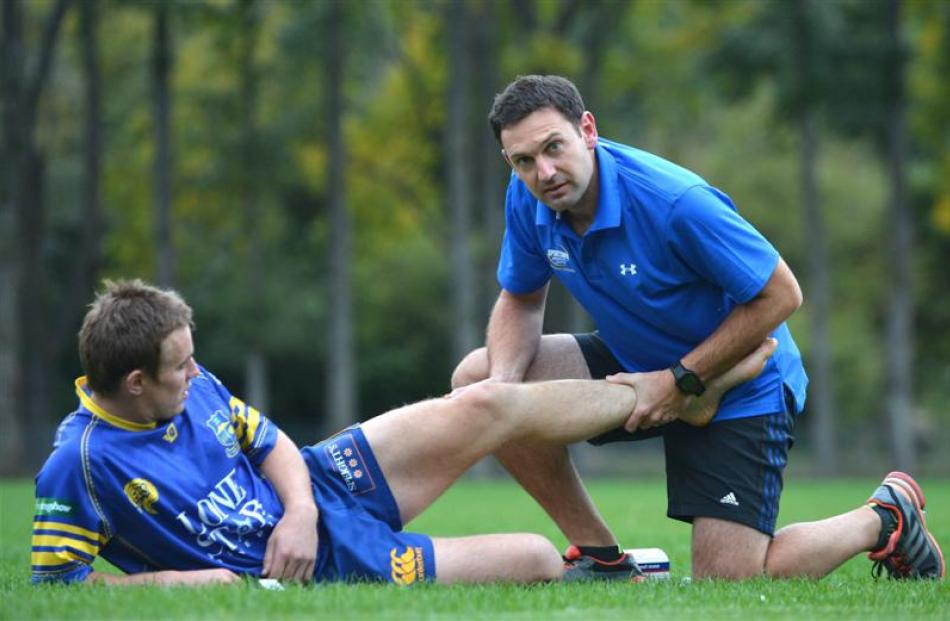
484, 404
732, 568
727, 550
473, 368
544, 557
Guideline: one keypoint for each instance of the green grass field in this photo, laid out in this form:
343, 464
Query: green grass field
634, 508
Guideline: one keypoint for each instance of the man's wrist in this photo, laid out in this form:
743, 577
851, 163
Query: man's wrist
687, 381
301, 508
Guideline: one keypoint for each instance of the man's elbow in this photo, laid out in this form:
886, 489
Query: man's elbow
787, 293
795, 297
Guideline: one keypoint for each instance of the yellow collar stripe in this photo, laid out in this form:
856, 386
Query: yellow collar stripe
112, 419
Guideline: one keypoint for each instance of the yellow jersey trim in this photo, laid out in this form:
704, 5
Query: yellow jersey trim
51, 559
69, 528
112, 419
54, 541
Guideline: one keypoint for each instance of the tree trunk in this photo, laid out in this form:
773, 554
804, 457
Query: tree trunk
458, 192
24, 351
257, 391
35, 347
818, 298
162, 168
12, 145
490, 193
341, 367
822, 407
900, 329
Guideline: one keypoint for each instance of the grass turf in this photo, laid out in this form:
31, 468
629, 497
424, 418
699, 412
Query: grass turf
634, 509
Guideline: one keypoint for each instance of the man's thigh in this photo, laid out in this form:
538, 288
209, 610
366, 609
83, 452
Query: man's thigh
558, 357
730, 470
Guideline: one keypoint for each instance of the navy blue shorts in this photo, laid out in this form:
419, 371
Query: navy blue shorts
730, 470
361, 536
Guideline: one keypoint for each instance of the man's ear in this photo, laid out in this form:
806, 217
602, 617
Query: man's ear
134, 382
589, 129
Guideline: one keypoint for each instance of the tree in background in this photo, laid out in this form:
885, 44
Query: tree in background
341, 363
900, 322
256, 162
458, 192
25, 360
162, 191
788, 44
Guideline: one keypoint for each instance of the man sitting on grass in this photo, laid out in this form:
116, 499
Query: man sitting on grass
175, 481
172, 479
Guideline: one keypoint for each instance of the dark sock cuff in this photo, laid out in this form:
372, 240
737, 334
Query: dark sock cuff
608, 554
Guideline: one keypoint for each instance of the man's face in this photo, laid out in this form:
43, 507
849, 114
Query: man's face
552, 157
166, 393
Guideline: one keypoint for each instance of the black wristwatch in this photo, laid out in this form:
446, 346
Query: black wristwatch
687, 381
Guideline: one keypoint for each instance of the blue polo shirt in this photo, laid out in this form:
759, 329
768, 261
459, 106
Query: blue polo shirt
665, 261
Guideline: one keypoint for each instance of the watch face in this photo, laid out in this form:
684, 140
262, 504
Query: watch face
691, 384
687, 381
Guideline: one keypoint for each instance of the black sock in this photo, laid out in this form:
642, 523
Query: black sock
607, 554
888, 524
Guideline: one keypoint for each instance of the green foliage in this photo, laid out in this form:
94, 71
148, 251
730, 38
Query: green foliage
713, 85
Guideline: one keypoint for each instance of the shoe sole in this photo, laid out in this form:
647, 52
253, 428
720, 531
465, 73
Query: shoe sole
909, 487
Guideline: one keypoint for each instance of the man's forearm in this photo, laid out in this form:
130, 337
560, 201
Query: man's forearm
514, 332
288, 473
746, 326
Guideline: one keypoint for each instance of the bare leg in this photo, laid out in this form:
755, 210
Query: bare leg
423, 448
728, 550
497, 558
547, 471
814, 549
723, 549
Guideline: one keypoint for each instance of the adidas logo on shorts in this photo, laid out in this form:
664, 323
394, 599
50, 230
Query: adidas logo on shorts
729, 499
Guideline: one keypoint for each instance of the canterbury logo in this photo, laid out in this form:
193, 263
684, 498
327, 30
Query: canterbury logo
142, 493
403, 566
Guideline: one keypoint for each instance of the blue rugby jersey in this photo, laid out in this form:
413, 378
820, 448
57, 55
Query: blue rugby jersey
129, 492
665, 261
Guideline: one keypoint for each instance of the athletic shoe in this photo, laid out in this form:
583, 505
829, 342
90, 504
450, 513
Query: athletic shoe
906, 549
579, 567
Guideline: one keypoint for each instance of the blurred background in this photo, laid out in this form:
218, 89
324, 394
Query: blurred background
319, 180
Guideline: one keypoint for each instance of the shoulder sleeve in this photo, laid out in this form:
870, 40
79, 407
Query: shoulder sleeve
68, 529
711, 238
256, 433
522, 267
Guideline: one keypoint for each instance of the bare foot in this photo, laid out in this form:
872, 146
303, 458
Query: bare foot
701, 410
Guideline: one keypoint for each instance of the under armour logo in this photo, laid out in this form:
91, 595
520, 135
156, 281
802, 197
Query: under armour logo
628, 270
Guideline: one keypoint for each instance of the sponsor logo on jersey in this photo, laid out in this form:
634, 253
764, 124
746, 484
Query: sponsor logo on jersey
142, 494
349, 464
559, 260
408, 566
220, 424
171, 434
52, 506
227, 519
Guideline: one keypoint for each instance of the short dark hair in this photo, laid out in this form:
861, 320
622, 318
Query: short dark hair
124, 330
529, 93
